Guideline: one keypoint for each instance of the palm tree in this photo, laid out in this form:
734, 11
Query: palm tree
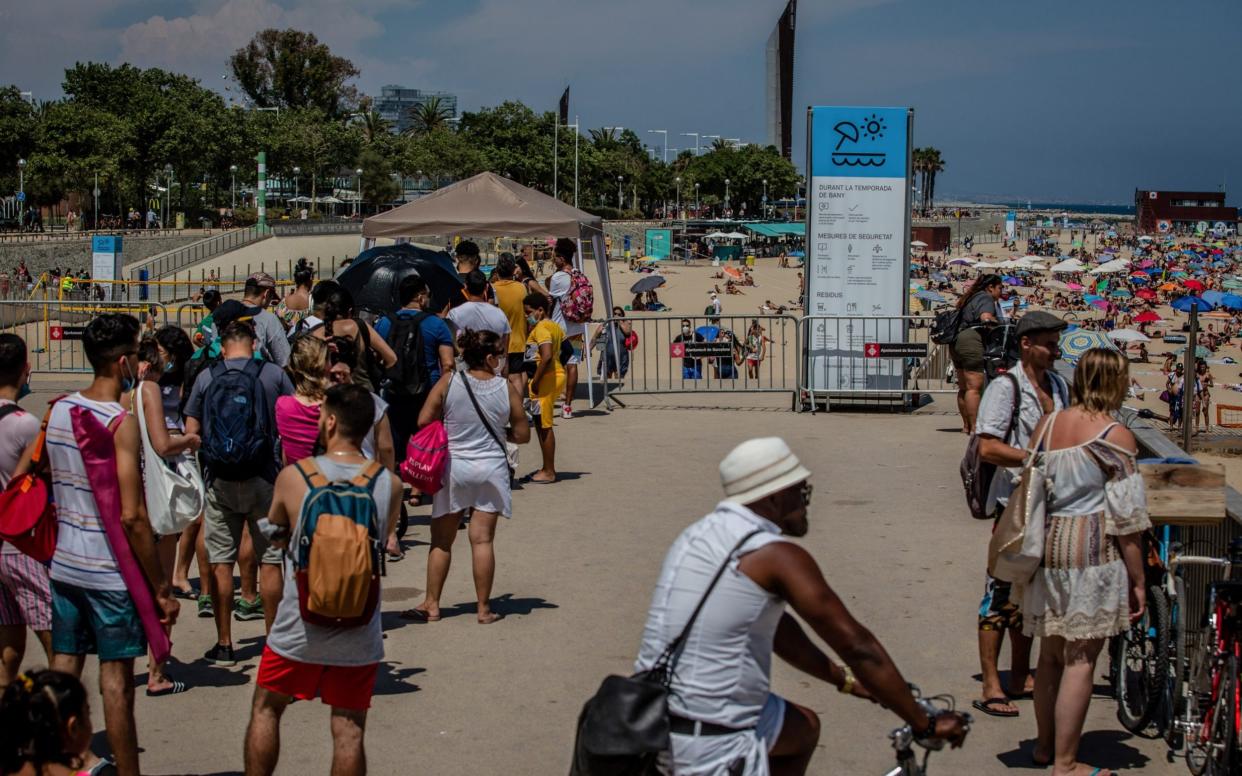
429, 116
604, 137
918, 166
720, 144
373, 126
934, 164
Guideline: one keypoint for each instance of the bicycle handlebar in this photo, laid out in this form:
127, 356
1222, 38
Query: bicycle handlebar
1197, 560
933, 705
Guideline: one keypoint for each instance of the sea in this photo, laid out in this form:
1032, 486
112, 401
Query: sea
1112, 210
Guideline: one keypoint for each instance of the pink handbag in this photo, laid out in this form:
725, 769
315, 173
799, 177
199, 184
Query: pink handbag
98, 451
426, 457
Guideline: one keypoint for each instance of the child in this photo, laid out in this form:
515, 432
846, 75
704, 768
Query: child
45, 722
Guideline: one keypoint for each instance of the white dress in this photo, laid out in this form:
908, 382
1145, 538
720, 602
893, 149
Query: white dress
477, 474
1081, 590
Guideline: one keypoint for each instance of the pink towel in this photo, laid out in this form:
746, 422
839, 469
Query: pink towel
99, 456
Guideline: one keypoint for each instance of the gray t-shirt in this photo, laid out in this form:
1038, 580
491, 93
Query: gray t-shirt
294, 638
273, 340
972, 313
478, 316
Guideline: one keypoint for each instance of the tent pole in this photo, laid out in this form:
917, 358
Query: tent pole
586, 350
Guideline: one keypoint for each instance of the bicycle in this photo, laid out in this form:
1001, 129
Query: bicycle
1211, 723
1141, 654
903, 737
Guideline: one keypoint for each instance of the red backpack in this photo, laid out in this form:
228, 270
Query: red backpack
579, 304
27, 514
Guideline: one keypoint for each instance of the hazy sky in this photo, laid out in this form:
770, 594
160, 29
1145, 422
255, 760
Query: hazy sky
1069, 101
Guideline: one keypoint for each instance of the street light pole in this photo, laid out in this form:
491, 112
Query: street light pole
233, 186
765, 197
663, 132
96, 193
297, 171
620, 203
695, 135
577, 132
556, 156
357, 190
21, 199
696, 200
168, 172
678, 180
726, 202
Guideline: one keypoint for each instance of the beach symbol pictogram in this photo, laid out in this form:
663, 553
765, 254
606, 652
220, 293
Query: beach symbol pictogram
854, 139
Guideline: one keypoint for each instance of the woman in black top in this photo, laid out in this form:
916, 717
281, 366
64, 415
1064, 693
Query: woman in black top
980, 307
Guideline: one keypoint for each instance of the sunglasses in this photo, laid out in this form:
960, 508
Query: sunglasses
806, 494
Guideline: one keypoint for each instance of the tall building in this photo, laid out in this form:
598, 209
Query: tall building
1183, 211
780, 65
396, 105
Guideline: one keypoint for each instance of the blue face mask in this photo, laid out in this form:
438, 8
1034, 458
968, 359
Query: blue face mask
168, 367
24, 391
127, 383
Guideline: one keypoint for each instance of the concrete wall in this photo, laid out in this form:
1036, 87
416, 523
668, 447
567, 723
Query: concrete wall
76, 254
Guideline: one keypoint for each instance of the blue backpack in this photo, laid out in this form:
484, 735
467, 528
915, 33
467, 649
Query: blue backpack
237, 443
337, 560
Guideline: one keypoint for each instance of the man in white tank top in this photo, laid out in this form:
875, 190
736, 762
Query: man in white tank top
723, 715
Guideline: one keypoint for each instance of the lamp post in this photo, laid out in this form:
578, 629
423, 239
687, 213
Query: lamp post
664, 133
620, 202
765, 197
696, 200
95, 191
168, 173
678, 182
296, 172
21, 195
726, 202
233, 186
711, 137
357, 190
694, 135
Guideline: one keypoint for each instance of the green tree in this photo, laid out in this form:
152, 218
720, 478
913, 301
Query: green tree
514, 141
18, 130
322, 146
377, 184
292, 69
428, 116
440, 155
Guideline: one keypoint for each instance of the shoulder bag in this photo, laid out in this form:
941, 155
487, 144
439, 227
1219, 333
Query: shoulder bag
1017, 545
624, 727
174, 489
510, 458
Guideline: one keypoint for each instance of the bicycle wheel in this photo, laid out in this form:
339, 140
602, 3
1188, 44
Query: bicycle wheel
1141, 664
1216, 748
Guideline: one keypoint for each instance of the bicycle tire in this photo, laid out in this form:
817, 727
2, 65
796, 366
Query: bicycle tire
1222, 739
1176, 686
1141, 665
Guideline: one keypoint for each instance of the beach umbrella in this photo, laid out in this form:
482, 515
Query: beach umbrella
1069, 265
930, 296
959, 261
796, 254
1073, 286
1200, 351
1193, 285
1169, 287
1089, 298
1186, 303
1128, 335
918, 244
1147, 317
1145, 293
1143, 279
1111, 267
1155, 271
1219, 315
1230, 302
1140, 275
940, 277
1012, 281
1213, 296
1121, 293
1100, 303
716, 236
1056, 285
649, 283
1233, 284
1075, 343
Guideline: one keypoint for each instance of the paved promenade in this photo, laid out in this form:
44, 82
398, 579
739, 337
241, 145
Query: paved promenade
575, 570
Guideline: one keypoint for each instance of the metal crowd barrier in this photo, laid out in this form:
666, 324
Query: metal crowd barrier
179, 258
53, 329
880, 361
296, 228
712, 358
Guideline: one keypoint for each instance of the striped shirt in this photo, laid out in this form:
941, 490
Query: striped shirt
83, 556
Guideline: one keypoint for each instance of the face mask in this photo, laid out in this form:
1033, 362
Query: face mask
168, 367
531, 321
127, 382
24, 391
685, 329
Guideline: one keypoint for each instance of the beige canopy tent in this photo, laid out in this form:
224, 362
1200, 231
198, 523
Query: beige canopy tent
488, 205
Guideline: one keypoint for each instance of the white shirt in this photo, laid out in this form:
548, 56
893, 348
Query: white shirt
83, 556
558, 286
479, 316
724, 672
995, 410
716, 304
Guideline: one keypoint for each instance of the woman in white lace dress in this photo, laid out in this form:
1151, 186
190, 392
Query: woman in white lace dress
1090, 584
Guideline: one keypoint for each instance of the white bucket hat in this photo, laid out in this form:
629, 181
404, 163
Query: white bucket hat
758, 468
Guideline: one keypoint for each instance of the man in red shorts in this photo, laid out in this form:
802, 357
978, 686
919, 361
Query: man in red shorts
303, 660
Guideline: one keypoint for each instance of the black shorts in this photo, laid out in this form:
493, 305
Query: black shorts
516, 360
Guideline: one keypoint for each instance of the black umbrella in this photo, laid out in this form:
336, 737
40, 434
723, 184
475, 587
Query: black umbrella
374, 275
649, 283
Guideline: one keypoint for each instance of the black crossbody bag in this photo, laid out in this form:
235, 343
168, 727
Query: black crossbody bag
495, 437
625, 725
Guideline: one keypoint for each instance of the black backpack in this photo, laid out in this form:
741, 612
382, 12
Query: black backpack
945, 325
236, 438
410, 375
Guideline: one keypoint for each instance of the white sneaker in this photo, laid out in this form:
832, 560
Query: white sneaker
567, 412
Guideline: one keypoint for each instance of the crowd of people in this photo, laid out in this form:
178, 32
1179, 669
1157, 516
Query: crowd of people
270, 405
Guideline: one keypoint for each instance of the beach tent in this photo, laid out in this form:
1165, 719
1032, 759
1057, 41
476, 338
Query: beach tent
1128, 335
1111, 267
1069, 265
488, 205
918, 244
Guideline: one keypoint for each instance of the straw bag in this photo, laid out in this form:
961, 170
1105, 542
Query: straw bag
174, 489
1017, 545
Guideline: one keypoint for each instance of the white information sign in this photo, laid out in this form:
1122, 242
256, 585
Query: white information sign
106, 261
858, 234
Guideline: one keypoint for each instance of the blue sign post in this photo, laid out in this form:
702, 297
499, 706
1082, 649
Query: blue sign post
106, 262
659, 243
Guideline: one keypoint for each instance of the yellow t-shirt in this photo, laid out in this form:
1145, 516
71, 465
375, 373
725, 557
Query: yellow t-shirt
509, 296
546, 330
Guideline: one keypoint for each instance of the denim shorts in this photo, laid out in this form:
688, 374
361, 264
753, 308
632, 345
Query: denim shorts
103, 622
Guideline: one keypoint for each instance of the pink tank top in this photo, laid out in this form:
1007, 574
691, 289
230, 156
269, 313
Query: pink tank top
298, 426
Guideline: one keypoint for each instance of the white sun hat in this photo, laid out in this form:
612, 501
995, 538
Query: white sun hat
760, 467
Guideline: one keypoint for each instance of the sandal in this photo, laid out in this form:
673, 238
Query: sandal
418, 615
989, 707
172, 689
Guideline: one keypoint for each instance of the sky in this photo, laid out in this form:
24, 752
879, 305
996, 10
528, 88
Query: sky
1053, 101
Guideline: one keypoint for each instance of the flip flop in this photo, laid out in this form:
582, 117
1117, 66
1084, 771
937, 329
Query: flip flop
987, 707
189, 595
1020, 696
418, 615
172, 689
530, 480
